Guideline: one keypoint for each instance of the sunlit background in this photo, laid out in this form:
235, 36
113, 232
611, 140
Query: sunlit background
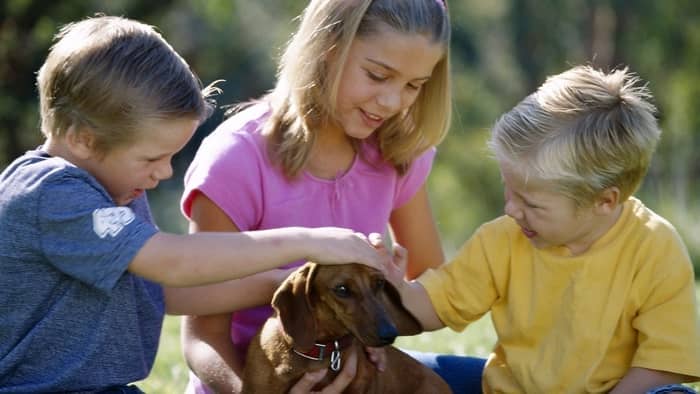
501, 51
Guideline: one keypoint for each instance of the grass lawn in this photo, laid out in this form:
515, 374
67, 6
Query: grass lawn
169, 374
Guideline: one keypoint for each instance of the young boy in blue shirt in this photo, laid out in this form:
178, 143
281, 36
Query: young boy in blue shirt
82, 262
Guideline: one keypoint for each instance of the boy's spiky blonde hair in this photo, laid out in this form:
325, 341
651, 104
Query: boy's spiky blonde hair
583, 131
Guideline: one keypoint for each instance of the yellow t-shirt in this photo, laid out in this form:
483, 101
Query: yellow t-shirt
574, 324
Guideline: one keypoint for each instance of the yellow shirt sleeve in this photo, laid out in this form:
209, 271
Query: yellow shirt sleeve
575, 323
465, 288
668, 333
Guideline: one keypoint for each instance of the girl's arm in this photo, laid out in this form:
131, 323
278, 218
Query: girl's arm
208, 351
254, 290
640, 380
206, 340
413, 226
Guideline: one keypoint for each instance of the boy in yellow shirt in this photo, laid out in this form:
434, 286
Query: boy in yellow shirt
588, 289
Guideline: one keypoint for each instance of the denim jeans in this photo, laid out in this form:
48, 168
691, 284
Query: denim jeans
671, 388
462, 373
130, 389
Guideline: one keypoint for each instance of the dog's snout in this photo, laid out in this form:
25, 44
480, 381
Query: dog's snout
387, 333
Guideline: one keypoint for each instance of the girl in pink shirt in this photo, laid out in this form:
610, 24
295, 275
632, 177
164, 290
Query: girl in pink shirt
346, 138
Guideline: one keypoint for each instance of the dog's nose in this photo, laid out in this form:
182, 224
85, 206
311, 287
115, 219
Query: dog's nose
387, 333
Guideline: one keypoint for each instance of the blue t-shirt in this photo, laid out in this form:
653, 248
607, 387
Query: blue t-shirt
72, 318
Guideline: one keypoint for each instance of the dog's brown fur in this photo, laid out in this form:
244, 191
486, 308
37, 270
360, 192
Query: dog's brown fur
322, 303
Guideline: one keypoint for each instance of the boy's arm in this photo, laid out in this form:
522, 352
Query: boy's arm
203, 258
640, 380
415, 298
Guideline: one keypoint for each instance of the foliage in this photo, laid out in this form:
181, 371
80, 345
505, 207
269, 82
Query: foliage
501, 50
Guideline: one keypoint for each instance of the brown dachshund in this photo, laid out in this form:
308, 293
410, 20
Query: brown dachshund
322, 313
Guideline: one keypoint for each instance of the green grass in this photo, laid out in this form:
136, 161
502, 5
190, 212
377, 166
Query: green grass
169, 374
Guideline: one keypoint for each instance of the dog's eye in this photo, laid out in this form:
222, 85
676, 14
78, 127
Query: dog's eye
342, 291
379, 284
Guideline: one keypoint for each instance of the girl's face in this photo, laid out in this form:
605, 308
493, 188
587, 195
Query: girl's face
548, 218
383, 75
126, 172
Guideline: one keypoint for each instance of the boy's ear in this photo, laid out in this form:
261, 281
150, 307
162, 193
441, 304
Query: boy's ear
607, 200
80, 142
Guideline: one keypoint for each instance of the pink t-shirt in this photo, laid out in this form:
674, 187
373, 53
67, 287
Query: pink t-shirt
232, 168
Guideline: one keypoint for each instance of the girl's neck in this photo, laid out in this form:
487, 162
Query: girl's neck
332, 154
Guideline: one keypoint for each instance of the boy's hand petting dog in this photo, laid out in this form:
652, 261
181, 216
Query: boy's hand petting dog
397, 260
334, 245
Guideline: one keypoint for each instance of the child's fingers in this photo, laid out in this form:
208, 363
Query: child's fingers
376, 240
377, 355
335, 245
400, 254
400, 257
346, 375
308, 381
396, 269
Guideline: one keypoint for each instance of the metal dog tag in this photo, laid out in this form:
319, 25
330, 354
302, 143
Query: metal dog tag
335, 358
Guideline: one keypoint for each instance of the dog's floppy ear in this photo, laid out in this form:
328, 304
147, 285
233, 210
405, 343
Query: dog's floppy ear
291, 301
406, 323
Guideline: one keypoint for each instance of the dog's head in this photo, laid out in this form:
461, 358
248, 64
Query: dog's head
323, 302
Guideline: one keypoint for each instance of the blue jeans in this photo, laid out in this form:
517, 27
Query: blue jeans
131, 389
462, 373
671, 388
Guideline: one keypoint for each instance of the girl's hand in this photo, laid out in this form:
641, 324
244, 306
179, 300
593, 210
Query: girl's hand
334, 245
346, 375
377, 355
395, 271
397, 257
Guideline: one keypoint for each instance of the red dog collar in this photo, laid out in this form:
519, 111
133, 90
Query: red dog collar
319, 351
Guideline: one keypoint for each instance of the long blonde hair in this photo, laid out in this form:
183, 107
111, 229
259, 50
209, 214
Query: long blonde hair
306, 92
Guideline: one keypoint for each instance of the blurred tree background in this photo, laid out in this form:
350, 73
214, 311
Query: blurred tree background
502, 50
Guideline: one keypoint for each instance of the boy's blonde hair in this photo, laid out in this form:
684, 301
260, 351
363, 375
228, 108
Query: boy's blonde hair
112, 75
306, 92
584, 131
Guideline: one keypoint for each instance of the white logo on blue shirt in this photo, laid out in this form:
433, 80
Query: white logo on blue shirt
111, 221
